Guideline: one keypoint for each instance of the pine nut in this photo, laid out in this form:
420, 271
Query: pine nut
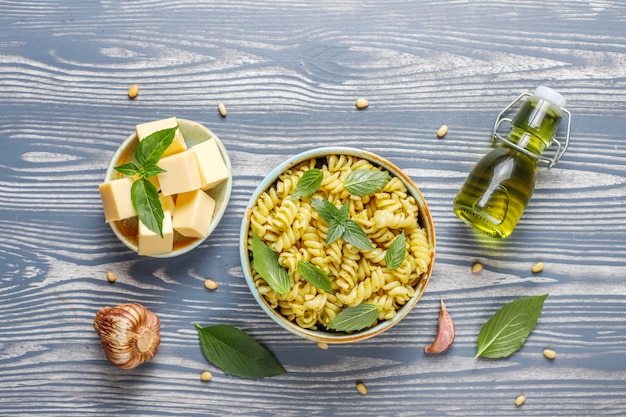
111, 276
322, 345
549, 353
520, 400
210, 284
133, 91
222, 109
362, 103
361, 388
477, 267
442, 131
538, 267
206, 376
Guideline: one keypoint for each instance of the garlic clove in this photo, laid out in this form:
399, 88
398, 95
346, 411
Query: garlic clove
445, 332
129, 334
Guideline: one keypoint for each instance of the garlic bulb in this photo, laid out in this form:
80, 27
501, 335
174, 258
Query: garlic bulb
129, 334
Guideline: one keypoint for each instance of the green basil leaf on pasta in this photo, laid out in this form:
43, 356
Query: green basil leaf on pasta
237, 353
327, 210
145, 199
152, 147
356, 236
396, 252
308, 184
361, 182
506, 331
265, 262
354, 318
335, 231
314, 276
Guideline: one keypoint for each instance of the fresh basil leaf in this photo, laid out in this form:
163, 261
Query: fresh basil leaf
326, 210
396, 252
354, 318
314, 276
265, 262
152, 147
145, 199
129, 169
506, 331
335, 231
356, 236
237, 353
361, 182
152, 170
308, 183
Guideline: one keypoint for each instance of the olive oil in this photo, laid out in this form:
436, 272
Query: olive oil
496, 192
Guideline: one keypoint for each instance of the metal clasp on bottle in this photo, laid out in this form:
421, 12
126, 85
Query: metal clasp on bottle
559, 151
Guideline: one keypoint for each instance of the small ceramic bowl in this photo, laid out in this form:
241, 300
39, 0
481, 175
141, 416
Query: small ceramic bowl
193, 133
425, 221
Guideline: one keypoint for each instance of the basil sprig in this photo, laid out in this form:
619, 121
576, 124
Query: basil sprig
143, 194
237, 353
352, 319
361, 182
339, 225
506, 331
265, 262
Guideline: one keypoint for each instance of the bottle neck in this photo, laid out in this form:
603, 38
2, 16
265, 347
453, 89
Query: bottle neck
536, 123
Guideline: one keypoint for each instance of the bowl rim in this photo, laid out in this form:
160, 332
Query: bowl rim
426, 222
217, 215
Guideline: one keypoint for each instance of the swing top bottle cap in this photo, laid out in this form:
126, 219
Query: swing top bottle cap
550, 95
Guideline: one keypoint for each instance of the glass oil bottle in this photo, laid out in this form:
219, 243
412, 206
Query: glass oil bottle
496, 192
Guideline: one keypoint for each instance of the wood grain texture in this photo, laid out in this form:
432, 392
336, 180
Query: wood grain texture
289, 73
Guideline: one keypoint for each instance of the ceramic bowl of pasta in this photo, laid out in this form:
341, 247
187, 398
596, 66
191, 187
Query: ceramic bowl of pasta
337, 245
193, 191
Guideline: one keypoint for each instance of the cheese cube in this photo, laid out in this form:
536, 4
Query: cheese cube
167, 202
146, 129
150, 243
182, 174
193, 214
116, 200
211, 165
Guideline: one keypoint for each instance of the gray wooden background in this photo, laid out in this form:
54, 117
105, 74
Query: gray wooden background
289, 73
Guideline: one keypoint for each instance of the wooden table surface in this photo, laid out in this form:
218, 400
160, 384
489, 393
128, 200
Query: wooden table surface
289, 73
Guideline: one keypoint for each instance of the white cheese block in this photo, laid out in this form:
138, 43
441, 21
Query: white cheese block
146, 129
116, 200
167, 202
182, 174
150, 243
193, 214
211, 165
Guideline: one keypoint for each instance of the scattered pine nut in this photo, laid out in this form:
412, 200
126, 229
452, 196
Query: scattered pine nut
538, 267
362, 103
442, 131
521, 399
209, 284
322, 345
549, 353
206, 376
477, 267
222, 109
111, 276
361, 388
133, 91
